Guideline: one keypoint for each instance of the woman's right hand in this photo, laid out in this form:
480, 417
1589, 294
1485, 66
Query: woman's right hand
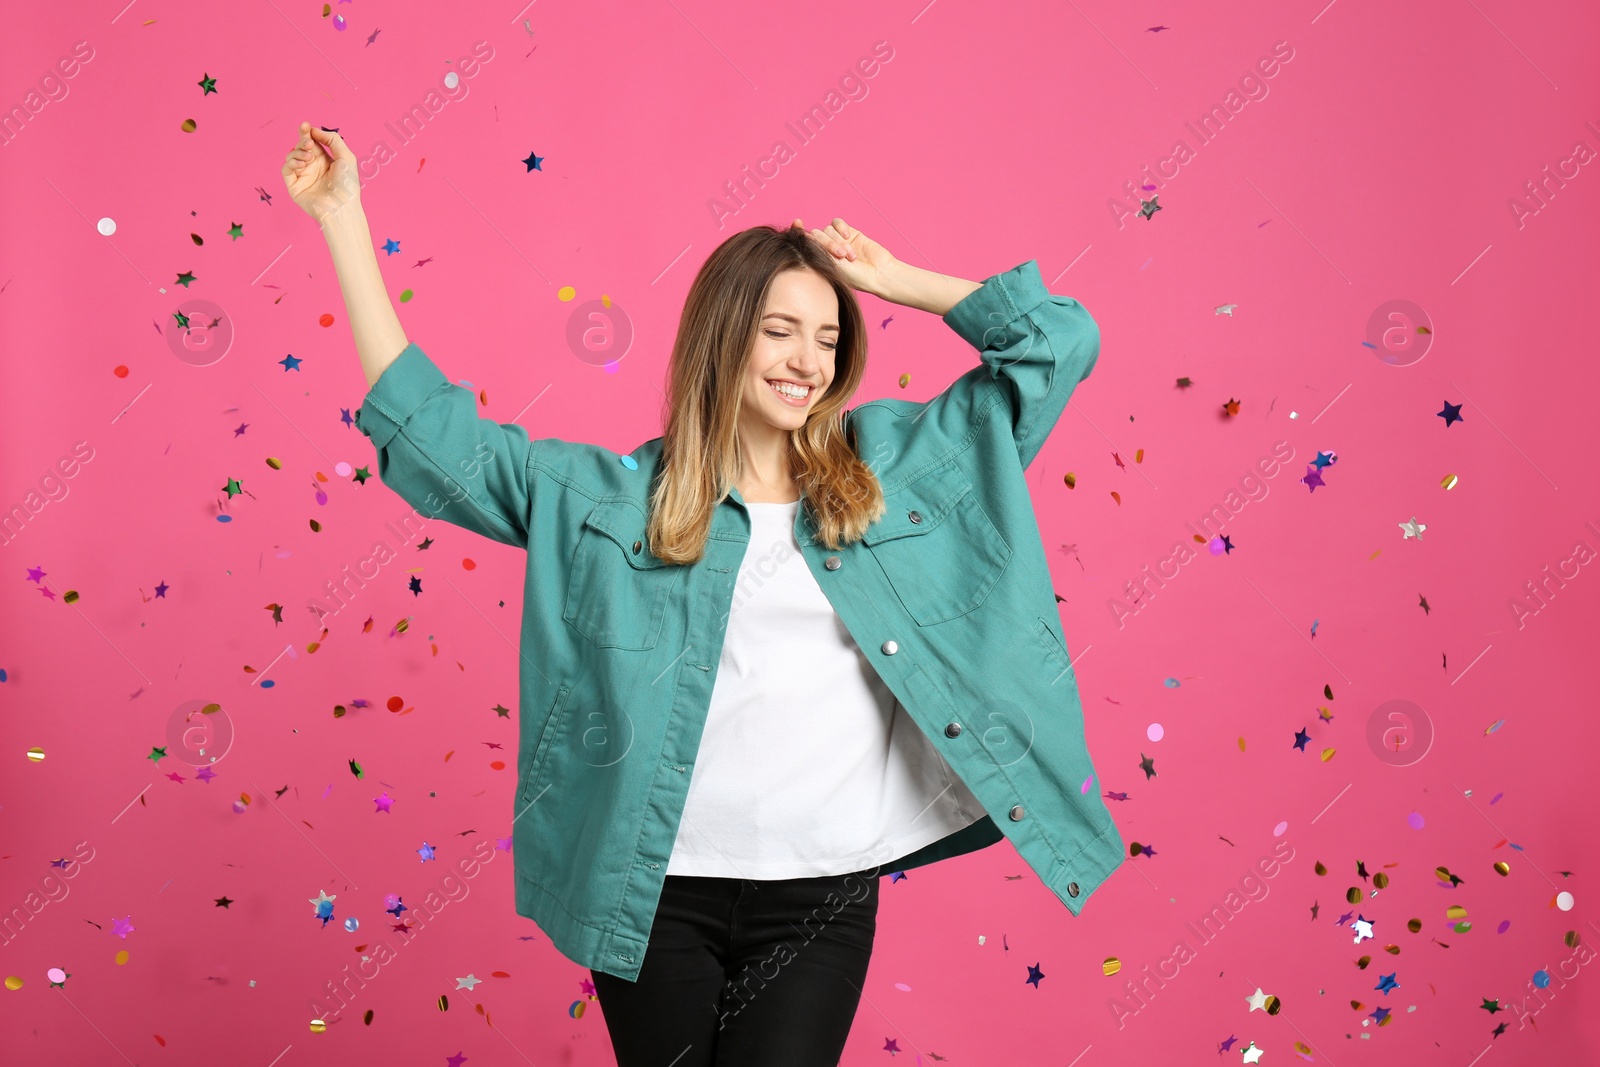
320, 173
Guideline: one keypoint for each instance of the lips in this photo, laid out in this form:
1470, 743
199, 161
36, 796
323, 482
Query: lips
792, 401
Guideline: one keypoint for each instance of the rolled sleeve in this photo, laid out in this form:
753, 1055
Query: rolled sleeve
439, 455
1035, 346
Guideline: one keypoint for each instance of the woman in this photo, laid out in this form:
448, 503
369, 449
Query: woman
745, 710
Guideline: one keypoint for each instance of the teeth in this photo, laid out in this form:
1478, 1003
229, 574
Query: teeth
790, 390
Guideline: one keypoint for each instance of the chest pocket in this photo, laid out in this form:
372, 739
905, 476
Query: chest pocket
618, 592
938, 547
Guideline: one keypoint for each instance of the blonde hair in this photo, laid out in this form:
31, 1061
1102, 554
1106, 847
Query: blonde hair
701, 459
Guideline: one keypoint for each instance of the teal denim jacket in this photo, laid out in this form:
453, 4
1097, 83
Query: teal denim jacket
948, 596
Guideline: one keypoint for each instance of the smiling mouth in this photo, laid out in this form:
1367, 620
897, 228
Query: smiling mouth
792, 401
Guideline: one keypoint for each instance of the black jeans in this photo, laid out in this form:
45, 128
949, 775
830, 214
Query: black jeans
742, 972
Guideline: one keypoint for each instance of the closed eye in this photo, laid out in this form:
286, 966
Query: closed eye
831, 346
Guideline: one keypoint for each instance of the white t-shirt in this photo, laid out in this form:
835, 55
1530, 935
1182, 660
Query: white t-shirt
808, 766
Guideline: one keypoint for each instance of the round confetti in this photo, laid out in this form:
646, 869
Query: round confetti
1448, 481
1564, 900
1415, 926
905, 380
1241, 744
1502, 868
1111, 966
1353, 894
1277, 831
1327, 754
106, 226
406, 295
338, 22
188, 125
395, 704
342, 469
268, 684
576, 1009
13, 983
35, 755
325, 319
1455, 911
1381, 880
452, 80
1155, 731
238, 807
566, 293
1541, 979
1172, 683
120, 958
1571, 939
1215, 546
468, 564
224, 518
444, 1002
120, 371
56, 974
352, 924
1414, 820
318, 1026
902, 987
1505, 924
1463, 927
629, 462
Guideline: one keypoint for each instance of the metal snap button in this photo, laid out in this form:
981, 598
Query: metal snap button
915, 516
1072, 889
832, 563
953, 730
1017, 813
890, 648
636, 546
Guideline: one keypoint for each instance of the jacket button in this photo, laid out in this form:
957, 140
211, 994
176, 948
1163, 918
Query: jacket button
915, 516
890, 648
1017, 813
1072, 889
953, 730
832, 563
636, 546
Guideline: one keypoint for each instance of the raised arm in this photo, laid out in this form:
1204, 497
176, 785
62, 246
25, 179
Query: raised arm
434, 450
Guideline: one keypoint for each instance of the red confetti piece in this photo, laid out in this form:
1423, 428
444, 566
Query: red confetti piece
120, 371
395, 704
325, 319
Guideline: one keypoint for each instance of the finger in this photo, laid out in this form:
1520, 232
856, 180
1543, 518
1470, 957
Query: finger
333, 143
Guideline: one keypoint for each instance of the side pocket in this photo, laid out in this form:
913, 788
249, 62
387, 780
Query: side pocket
541, 751
1055, 654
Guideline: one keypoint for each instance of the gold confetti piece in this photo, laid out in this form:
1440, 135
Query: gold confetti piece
316, 527
1327, 754
188, 125
1363, 961
1373, 556
13, 983
70, 596
402, 626
1415, 926
1502, 868
35, 755
444, 1002
1117, 497
1393, 950
1321, 868
1273, 1005
1241, 744
318, 1026
211, 709
1111, 966
905, 380
1071, 480
274, 463
367, 1018
483, 397
1448, 481
1455, 911
120, 958
1381, 880
1356, 1005
1138, 457
1571, 940
1353, 894
1424, 329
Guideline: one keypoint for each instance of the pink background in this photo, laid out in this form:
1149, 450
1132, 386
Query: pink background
1379, 166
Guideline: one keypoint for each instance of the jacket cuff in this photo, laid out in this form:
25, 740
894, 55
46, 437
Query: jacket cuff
1003, 298
402, 388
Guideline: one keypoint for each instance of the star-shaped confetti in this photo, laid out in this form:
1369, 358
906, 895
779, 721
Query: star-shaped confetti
1300, 739
1451, 413
415, 585
233, 488
290, 362
361, 475
122, 927
184, 279
1313, 477
467, 983
1147, 765
384, 803
205, 774
1148, 208
1386, 983
207, 84
223, 901
1034, 974
426, 852
1226, 309
161, 590
533, 162
1381, 1016
1424, 604
456, 1061
1491, 1006
1252, 1054
157, 754
1323, 459
1363, 929
391, 246
1231, 408
236, 231
1412, 529
1257, 1000
1315, 907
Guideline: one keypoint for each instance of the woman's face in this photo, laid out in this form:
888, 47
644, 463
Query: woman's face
795, 345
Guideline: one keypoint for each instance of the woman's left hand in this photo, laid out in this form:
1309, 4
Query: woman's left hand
865, 264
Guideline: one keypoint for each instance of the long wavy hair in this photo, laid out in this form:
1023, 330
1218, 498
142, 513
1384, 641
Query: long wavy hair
701, 459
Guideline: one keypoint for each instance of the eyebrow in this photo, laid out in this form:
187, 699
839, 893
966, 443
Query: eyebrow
790, 318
